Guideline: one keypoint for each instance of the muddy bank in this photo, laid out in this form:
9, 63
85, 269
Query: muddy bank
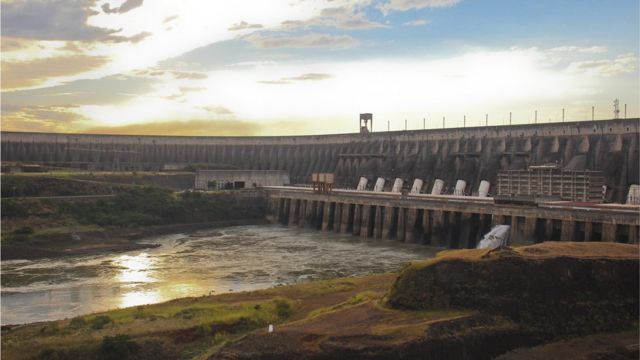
107, 240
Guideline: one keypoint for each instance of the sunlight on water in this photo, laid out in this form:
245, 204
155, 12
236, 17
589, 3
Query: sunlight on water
213, 261
135, 269
136, 298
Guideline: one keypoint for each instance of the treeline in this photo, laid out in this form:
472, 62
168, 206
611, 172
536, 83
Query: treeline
141, 206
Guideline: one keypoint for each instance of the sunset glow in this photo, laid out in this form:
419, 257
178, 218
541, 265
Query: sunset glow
309, 67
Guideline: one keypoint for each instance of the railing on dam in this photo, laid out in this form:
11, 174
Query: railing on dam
448, 220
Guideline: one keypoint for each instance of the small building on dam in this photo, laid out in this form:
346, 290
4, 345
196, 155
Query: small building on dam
239, 179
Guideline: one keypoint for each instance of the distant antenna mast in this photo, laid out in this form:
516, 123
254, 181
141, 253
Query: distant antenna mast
616, 109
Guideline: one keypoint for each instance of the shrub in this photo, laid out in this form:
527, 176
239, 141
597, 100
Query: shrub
283, 309
25, 230
77, 322
118, 347
14, 208
100, 321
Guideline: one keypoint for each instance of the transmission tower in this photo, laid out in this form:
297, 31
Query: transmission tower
616, 109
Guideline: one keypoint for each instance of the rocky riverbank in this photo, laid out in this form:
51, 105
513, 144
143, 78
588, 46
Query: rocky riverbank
460, 305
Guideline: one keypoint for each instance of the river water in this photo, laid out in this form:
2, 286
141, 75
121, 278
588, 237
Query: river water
206, 262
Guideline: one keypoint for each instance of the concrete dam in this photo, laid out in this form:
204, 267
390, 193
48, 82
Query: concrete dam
471, 154
473, 157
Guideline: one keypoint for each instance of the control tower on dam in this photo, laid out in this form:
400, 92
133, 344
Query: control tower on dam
471, 154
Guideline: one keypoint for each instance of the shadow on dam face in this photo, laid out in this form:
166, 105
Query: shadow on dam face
470, 154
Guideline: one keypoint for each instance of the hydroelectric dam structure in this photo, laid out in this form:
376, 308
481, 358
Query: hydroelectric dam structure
472, 155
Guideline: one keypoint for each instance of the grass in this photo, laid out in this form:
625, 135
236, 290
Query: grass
194, 327
359, 298
202, 323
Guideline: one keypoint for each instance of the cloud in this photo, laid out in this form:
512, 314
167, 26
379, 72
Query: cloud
341, 17
243, 25
192, 128
13, 44
109, 90
303, 77
218, 110
419, 22
128, 5
53, 118
313, 40
404, 5
29, 73
133, 35
171, 74
310, 76
192, 75
274, 82
131, 39
169, 19
578, 49
50, 20
356, 23
622, 64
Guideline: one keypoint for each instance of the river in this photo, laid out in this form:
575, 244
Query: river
205, 262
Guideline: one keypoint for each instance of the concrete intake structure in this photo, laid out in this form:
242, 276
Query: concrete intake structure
448, 220
470, 154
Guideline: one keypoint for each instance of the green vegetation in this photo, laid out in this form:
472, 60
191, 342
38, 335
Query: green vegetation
70, 183
118, 347
184, 328
100, 321
138, 206
27, 219
157, 206
61, 184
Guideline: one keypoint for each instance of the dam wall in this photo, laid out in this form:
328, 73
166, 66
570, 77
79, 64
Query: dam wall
448, 221
471, 154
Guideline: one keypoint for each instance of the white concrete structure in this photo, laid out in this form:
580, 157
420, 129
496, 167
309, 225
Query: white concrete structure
362, 184
379, 185
239, 179
417, 186
633, 198
397, 186
438, 185
499, 236
483, 189
461, 185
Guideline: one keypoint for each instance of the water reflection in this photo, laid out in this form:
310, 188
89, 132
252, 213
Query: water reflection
214, 261
142, 297
135, 269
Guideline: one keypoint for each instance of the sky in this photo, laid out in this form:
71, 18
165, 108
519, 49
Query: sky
284, 67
